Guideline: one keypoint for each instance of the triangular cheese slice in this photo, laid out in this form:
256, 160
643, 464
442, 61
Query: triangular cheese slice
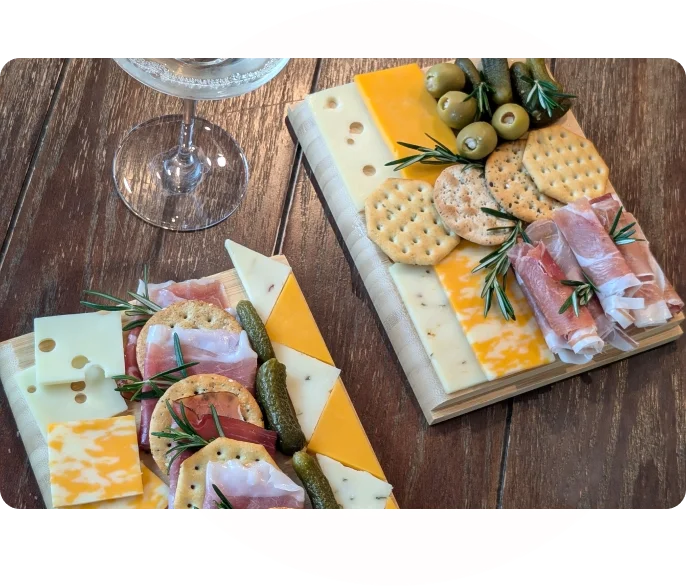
309, 382
291, 323
263, 278
391, 504
340, 435
354, 489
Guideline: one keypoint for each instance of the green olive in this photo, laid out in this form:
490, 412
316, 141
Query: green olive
442, 78
510, 121
454, 111
477, 141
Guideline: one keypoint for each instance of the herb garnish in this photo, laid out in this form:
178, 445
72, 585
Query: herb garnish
623, 236
439, 155
498, 264
545, 93
143, 309
582, 294
185, 437
223, 502
480, 94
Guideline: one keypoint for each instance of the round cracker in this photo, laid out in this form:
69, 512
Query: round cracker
190, 315
198, 384
513, 188
459, 196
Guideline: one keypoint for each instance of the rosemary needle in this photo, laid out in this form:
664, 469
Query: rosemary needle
439, 155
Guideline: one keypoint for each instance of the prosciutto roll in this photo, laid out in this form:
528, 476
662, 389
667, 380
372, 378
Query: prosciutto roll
659, 296
547, 232
540, 277
600, 259
208, 290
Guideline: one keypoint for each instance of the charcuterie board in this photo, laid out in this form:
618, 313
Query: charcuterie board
337, 433
348, 139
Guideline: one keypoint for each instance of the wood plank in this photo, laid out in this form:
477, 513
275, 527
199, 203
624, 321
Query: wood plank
616, 436
461, 457
26, 88
75, 233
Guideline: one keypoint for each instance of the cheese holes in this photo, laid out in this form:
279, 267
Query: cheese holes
46, 345
332, 103
369, 170
356, 128
80, 398
31, 389
350, 141
79, 361
78, 386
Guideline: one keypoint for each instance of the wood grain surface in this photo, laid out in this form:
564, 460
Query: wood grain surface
615, 437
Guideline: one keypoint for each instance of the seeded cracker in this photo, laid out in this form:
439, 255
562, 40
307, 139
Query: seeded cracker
564, 165
403, 222
198, 384
459, 197
513, 188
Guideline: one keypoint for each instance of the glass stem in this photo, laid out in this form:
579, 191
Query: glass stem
186, 138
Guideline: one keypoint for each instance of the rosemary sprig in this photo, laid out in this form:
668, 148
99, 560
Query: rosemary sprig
480, 94
498, 264
184, 438
144, 308
439, 155
544, 94
623, 236
582, 294
223, 502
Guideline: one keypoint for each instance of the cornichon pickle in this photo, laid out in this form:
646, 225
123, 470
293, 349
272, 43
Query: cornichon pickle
471, 73
539, 72
497, 74
257, 333
519, 72
272, 395
314, 481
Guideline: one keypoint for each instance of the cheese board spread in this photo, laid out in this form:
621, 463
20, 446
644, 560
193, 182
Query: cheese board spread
484, 226
208, 393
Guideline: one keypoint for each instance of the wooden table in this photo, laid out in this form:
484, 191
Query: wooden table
613, 438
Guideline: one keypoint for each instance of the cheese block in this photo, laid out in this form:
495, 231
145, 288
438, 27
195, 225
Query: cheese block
93, 460
94, 398
340, 435
309, 382
155, 496
353, 141
262, 277
437, 326
501, 347
291, 323
65, 344
403, 110
354, 489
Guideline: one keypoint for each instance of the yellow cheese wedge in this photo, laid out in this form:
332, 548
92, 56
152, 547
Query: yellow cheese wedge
501, 347
155, 496
391, 504
340, 435
403, 110
93, 460
291, 323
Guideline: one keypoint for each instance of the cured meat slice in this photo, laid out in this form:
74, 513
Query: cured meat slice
256, 485
209, 290
540, 276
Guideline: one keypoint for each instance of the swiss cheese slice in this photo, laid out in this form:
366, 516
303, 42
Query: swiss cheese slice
291, 323
403, 110
309, 382
355, 144
66, 344
340, 435
354, 489
155, 496
93, 399
94, 460
501, 347
262, 277
436, 323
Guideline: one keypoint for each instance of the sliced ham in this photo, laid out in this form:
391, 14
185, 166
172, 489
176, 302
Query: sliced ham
600, 259
208, 290
197, 406
256, 485
654, 288
547, 232
540, 276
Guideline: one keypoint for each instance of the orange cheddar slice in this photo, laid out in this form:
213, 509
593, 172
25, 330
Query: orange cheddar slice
403, 110
501, 347
93, 460
291, 323
390, 503
340, 435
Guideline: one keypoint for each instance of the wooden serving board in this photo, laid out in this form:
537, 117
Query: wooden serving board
17, 354
487, 393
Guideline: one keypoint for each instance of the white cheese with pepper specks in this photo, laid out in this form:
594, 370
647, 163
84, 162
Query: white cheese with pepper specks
437, 326
354, 489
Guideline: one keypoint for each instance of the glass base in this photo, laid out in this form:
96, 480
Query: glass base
180, 191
